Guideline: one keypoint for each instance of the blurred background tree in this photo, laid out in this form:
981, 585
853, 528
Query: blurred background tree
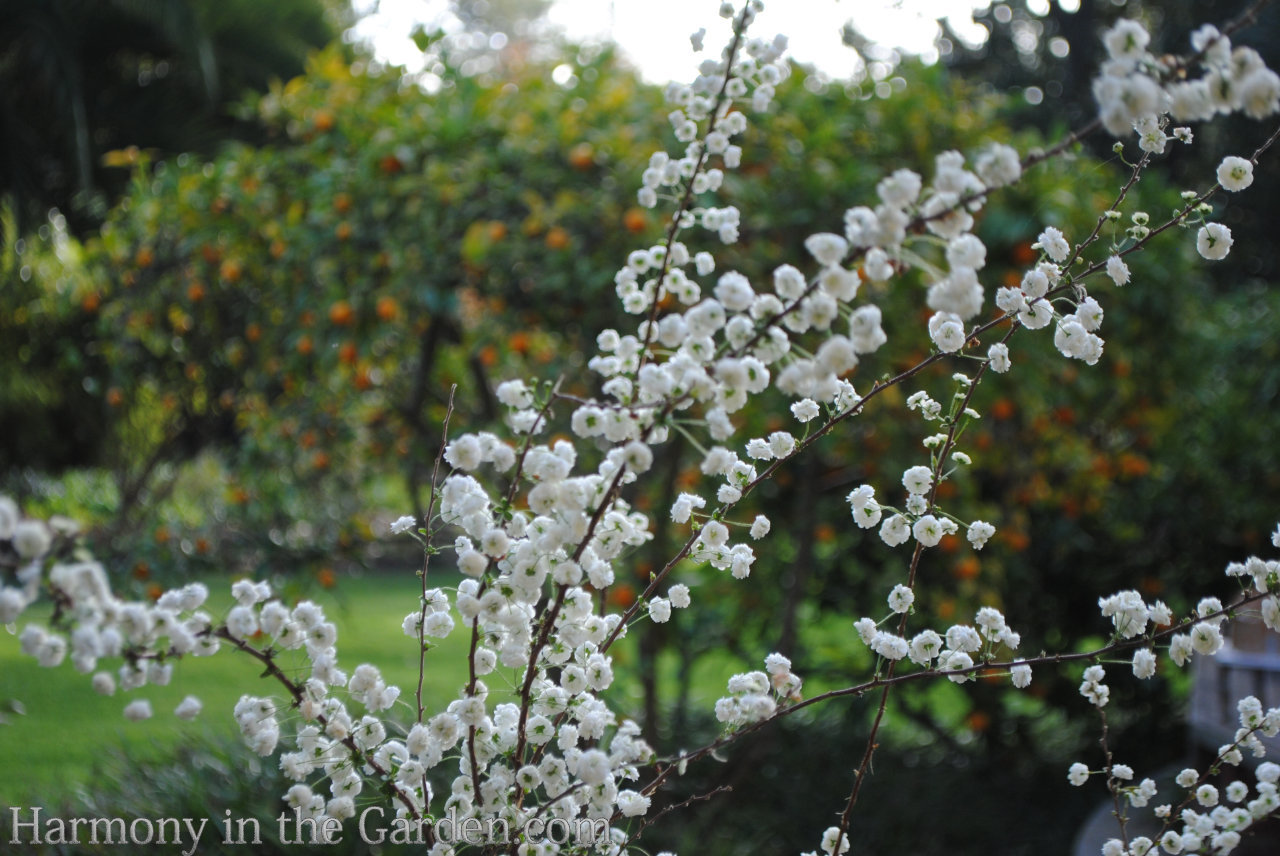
80, 79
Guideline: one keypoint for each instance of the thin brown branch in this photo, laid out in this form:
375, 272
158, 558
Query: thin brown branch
427, 550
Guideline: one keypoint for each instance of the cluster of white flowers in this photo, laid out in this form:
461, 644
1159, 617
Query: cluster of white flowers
1137, 91
1092, 687
1221, 814
754, 696
952, 652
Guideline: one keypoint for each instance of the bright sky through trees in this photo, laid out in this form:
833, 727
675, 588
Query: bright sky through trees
654, 33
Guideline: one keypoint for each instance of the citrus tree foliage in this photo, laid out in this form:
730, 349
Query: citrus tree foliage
302, 304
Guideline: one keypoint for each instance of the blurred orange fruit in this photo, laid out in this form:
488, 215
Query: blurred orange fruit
582, 156
557, 238
635, 220
387, 308
341, 313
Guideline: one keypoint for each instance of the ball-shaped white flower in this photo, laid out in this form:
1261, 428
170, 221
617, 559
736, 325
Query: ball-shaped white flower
1213, 241
1235, 173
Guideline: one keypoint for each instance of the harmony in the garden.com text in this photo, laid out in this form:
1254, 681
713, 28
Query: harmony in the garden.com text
34, 826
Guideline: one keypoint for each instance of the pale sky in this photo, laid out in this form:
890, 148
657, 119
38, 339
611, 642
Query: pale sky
655, 33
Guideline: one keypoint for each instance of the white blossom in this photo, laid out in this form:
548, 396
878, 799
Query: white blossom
1213, 241
1235, 173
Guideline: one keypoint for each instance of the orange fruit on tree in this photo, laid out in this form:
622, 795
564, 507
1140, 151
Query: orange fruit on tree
305, 346
342, 202
1002, 409
1133, 466
231, 270
1023, 254
323, 120
557, 238
622, 595
348, 353
341, 313
195, 292
582, 156
387, 308
967, 568
635, 220
144, 257
978, 720
343, 231
253, 332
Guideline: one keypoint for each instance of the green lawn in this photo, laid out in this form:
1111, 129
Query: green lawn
67, 727
47, 753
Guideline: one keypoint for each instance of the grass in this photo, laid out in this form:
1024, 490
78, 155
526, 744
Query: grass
65, 726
